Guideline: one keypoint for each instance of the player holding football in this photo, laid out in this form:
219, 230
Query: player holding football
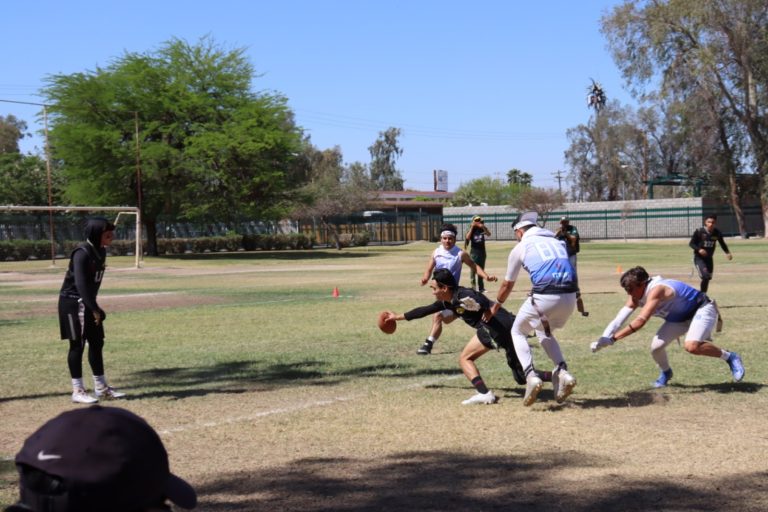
449, 256
684, 309
491, 332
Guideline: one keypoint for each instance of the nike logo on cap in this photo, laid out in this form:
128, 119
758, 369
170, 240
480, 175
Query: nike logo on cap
47, 456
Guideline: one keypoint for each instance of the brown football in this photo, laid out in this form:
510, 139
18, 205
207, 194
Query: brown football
387, 326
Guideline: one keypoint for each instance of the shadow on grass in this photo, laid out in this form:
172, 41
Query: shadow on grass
440, 481
722, 387
235, 377
249, 376
323, 254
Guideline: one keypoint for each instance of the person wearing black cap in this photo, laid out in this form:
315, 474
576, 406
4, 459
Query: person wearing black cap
475, 240
491, 332
97, 459
81, 319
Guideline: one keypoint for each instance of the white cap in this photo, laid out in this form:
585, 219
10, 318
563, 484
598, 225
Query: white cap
525, 220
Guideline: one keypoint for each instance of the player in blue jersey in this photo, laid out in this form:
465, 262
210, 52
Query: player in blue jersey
548, 306
685, 310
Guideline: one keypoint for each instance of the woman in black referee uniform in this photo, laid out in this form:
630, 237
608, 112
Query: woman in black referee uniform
81, 320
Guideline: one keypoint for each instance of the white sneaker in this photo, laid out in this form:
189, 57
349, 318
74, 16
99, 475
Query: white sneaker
532, 388
481, 399
564, 385
109, 393
81, 396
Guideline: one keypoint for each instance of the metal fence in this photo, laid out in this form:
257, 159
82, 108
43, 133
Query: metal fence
606, 224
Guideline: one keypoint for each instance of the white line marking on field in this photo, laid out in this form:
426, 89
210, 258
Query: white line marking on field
294, 408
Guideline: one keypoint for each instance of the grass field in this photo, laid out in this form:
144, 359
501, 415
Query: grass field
270, 394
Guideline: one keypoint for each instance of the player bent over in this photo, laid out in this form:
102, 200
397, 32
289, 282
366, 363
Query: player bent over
685, 311
491, 332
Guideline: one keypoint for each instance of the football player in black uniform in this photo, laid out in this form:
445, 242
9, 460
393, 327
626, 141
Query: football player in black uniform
81, 320
703, 244
492, 332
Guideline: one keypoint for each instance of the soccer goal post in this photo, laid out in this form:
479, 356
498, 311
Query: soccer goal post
118, 210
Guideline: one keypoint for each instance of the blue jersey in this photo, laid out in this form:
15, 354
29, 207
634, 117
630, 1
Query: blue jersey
682, 307
546, 260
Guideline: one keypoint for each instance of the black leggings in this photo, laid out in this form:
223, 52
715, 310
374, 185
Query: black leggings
95, 357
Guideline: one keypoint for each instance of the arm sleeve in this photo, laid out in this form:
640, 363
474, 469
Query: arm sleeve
423, 311
514, 262
694, 243
84, 286
617, 322
722, 243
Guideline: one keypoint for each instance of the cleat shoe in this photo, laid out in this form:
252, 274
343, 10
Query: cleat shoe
81, 396
532, 388
109, 393
664, 377
737, 367
425, 349
481, 399
565, 383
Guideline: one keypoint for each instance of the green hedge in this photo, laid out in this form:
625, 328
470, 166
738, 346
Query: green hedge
19, 250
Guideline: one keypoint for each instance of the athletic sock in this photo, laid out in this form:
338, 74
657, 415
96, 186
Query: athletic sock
77, 384
431, 339
480, 385
100, 381
725, 354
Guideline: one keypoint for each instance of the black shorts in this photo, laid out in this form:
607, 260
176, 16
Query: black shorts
498, 332
76, 322
704, 266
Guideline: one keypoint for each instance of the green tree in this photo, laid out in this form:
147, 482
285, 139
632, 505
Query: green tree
492, 191
717, 45
384, 154
24, 181
333, 189
518, 177
12, 130
208, 147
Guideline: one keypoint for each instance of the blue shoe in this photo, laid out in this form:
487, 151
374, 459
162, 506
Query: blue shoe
737, 368
664, 378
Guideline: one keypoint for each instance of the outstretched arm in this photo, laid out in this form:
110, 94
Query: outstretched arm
465, 259
428, 272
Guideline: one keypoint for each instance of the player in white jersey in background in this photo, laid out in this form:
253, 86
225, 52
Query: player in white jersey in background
685, 310
548, 306
449, 256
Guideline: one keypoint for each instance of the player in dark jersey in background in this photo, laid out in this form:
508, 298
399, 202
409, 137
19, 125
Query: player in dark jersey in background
703, 244
81, 320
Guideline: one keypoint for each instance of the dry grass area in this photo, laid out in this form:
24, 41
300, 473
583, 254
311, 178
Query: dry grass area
277, 427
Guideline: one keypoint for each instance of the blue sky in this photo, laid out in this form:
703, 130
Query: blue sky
477, 88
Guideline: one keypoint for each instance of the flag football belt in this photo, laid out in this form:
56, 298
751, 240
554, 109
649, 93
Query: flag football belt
542, 316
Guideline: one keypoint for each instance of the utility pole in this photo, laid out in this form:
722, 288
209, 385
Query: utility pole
559, 177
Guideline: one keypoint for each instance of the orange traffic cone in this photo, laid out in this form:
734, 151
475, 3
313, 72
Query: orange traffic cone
335, 292
618, 269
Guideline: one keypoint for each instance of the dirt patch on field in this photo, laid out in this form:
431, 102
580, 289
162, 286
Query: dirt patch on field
30, 306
